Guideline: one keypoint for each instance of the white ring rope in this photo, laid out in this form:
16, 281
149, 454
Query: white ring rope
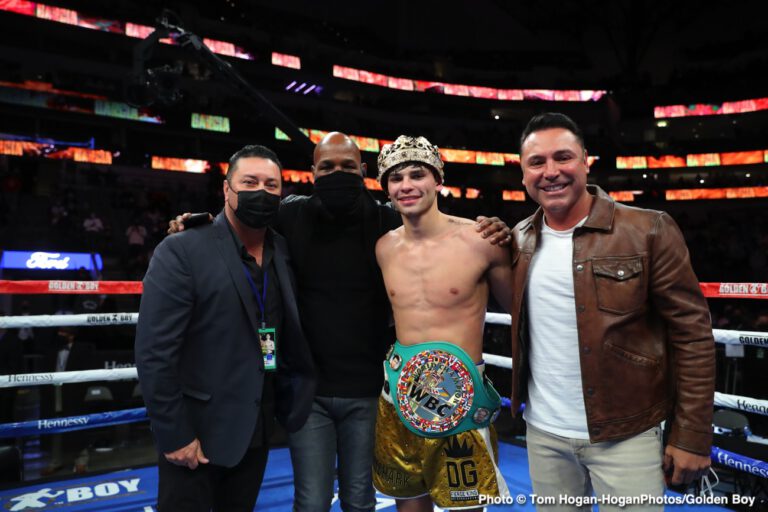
724, 336
728, 337
38, 379
19, 322
34, 379
498, 318
500, 361
741, 403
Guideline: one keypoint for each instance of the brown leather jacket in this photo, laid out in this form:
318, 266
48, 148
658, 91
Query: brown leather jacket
645, 336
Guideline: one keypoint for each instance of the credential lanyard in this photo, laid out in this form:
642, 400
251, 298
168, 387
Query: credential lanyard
261, 298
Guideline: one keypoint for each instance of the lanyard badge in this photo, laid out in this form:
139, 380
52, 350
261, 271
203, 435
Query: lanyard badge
268, 341
267, 335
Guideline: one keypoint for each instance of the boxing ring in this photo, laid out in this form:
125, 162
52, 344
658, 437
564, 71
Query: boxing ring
135, 489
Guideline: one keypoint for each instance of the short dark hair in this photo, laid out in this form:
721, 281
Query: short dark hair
252, 151
549, 120
403, 165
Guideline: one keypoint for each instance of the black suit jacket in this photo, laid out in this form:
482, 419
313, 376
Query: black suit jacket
197, 349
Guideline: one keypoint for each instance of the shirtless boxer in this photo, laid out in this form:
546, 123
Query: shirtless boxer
434, 439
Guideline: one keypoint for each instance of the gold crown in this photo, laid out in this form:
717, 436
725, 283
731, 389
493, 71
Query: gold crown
409, 149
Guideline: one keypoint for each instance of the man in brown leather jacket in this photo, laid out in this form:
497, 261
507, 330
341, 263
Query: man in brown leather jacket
611, 334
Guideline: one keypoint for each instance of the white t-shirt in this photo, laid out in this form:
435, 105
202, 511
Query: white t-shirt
555, 399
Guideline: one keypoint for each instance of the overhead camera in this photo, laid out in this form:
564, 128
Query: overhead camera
159, 85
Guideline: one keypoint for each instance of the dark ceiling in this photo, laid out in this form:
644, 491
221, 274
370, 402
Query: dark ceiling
557, 43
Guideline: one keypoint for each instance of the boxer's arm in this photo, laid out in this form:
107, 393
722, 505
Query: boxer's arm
500, 275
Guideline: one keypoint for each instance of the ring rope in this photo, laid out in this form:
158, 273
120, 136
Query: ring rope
740, 462
39, 379
71, 423
80, 320
106, 419
728, 337
735, 290
68, 287
710, 290
742, 403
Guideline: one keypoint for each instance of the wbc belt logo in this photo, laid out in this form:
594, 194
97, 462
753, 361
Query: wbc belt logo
434, 391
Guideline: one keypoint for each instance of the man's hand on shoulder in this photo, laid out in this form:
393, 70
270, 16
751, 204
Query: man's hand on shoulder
682, 466
189, 456
494, 230
188, 220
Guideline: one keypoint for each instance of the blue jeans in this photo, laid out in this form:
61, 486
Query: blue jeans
336, 427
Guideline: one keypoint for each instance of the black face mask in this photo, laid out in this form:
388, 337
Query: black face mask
257, 208
339, 191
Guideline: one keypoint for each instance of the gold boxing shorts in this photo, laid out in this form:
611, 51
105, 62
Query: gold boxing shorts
454, 471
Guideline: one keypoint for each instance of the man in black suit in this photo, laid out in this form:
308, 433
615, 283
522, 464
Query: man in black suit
210, 294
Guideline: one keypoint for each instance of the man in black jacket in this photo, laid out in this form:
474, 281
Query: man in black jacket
344, 309
211, 295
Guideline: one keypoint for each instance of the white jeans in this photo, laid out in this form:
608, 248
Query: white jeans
560, 466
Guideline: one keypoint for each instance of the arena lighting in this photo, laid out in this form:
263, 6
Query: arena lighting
180, 164
460, 156
90, 143
303, 88
286, 61
693, 194
38, 95
624, 196
513, 195
210, 122
474, 91
451, 191
47, 150
693, 160
448, 154
711, 109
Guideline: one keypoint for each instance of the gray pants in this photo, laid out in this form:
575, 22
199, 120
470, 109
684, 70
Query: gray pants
561, 467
